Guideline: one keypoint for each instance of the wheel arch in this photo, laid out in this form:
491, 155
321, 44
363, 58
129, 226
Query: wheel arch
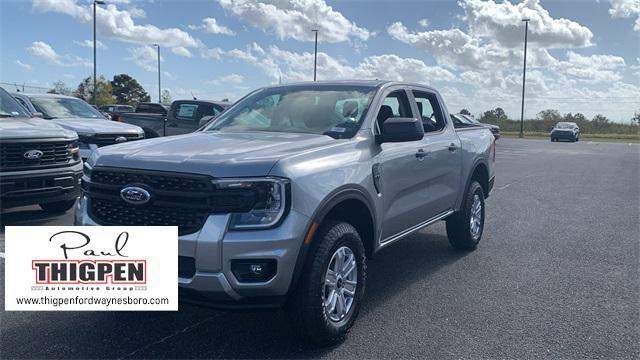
349, 203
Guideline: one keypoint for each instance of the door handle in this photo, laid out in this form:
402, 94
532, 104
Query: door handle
452, 147
421, 154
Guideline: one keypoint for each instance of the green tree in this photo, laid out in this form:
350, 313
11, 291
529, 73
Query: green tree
60, 88
127, 90
165, 97
465, 112
636, 118
84, 91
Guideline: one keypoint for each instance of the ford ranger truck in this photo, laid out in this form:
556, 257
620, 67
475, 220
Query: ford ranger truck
39, 161
282, 199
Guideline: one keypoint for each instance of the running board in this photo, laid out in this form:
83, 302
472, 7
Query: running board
414, 228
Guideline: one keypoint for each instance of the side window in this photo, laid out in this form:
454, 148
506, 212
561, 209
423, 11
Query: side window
22, 102
208, 110
396, 104
429, 108
185, 111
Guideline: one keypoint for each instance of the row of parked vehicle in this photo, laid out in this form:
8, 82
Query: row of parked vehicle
41, 133
281, 199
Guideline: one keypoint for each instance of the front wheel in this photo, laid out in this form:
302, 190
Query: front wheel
465, 227
58, 206
327, 300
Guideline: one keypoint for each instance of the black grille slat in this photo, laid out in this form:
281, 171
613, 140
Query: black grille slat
183, 200
109, 139
55, 153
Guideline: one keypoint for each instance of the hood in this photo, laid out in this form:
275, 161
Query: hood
32, 128
92, 126
218, 154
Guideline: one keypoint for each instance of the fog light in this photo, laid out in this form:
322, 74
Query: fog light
254, 270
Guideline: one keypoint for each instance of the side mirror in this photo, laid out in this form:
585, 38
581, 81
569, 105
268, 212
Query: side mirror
205, 120
38, 114
401, 130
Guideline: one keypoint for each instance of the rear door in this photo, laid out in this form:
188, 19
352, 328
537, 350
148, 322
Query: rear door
443, 155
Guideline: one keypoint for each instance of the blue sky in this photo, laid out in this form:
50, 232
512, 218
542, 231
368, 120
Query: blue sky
583, 55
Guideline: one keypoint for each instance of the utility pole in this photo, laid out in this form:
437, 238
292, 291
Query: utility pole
315, 56
95, 3
524, 75
159, 91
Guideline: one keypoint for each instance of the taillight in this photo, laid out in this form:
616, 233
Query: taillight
494, 149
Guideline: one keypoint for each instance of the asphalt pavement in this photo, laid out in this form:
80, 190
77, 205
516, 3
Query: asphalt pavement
555, 276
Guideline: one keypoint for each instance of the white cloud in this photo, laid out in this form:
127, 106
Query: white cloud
454, 48
291, 66
211, 26
145, 57
296, 18
89, 44
424, 22
181, 51
26, 67
626, 9
119, 24
593, 68
44, 51
231, 79
503, 22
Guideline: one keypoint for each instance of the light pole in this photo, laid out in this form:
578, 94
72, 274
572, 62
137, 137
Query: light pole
315, 56
95, 3
159, 91
524, 75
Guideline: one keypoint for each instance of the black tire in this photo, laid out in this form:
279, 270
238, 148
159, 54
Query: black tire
150, 134
58, 206
553, 140
577, 138
458, 224
306, 305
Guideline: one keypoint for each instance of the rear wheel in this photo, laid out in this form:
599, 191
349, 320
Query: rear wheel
58, 206
327, 300
464, 228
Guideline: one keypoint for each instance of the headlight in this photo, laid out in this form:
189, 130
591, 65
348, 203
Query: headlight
73, 150
270, 205
86, 172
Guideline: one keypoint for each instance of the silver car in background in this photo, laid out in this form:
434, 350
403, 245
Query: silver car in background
93, 129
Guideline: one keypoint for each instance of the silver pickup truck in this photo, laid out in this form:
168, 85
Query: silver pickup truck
39, 160
93, 129
283, 198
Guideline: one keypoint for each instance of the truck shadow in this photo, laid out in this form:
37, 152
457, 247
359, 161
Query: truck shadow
203, 333
27, 217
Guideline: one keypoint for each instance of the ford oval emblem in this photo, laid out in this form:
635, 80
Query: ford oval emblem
120, 139
33, 155
135, 195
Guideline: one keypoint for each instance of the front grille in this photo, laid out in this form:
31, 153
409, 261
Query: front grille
109, 139
120, 213
54, 153
183, 200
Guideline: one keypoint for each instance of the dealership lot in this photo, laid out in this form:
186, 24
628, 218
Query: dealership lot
556, 275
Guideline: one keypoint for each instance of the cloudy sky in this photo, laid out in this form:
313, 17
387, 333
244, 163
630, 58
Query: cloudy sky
584, 55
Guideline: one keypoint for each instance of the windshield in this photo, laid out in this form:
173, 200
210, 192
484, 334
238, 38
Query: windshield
564, 126
9, 107
337, 111
54, 107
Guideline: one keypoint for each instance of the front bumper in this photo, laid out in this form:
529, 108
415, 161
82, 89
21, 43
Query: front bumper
210, 251
563, 135
30, 187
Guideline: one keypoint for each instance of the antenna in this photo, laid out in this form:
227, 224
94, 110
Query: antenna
193, 96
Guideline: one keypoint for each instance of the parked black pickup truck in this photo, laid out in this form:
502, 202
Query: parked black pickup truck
184, 116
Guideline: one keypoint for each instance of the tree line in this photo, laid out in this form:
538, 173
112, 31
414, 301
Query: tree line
545, 121
122, 89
